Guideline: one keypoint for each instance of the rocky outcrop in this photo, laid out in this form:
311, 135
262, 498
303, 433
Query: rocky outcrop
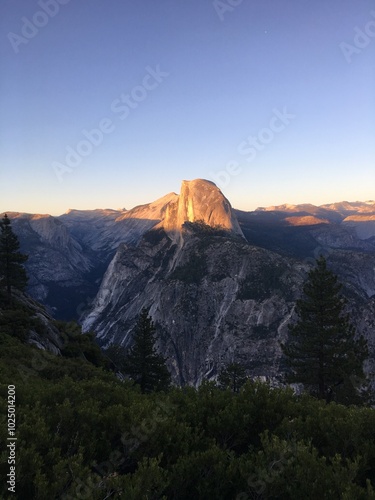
200, 200
46, 336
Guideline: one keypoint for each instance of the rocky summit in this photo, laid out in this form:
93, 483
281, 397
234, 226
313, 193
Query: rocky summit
220, 284
202, 201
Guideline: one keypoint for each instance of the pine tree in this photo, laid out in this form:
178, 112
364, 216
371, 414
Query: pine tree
322, 352
12, 272
233, 377
144, 365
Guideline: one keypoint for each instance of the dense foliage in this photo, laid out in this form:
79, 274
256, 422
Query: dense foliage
84, 434
201, 228
322, 351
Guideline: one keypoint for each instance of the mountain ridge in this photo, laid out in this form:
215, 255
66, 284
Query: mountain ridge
341, 207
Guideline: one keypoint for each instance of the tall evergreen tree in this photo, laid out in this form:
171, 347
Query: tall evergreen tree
322, 352
144, 365
12, 272
233, 376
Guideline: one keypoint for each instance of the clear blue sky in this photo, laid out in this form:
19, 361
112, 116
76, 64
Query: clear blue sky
220, 76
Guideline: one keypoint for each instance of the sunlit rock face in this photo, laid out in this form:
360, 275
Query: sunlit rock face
200, 200
104, 230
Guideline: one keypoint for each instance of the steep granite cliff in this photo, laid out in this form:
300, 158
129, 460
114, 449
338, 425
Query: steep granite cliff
214, 297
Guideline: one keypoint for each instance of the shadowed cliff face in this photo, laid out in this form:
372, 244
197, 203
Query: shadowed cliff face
213, 299
57, 263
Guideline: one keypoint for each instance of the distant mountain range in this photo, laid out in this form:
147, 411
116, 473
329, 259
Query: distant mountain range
220, 283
